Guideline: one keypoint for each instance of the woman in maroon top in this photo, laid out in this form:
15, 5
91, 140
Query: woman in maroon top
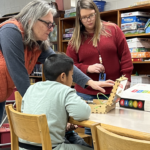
98, 47
94, 39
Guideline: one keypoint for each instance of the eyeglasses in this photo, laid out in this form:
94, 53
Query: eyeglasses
49, 24
91, 17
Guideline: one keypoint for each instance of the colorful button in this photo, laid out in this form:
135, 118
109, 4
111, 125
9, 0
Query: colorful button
140, 104
135, 104
122, 102
130, 103
126, 103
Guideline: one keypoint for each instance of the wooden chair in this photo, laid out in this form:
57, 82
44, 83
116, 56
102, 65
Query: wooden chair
106, 140
32, 128
80, 131
127, 132
18, 99
89, 124
87, 138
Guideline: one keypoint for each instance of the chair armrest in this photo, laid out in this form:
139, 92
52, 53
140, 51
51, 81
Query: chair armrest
85, 123
127, 132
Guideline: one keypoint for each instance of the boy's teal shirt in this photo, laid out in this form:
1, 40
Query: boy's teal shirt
57, 102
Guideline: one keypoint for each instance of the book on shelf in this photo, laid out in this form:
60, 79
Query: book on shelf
69, 30
37, 71
72, 10
54, 47
68, 33
53, 35
73, 14
67, 36
32, 81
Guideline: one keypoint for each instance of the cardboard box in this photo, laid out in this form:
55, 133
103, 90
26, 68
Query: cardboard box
131, 19
147, 26
139, 49
147, 30
140, 54
131, 23
136, 97
72, 10
142, 3
70, 15
136, 13
138, 42
137, 59
138, 31
134, 20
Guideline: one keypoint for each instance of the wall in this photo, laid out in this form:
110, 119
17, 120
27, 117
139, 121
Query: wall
117, 4
12, 6
113, 4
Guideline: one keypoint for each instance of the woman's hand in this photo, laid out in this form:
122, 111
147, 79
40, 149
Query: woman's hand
96, 68
97, 85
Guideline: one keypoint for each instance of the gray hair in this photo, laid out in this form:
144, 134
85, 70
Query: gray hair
31, 13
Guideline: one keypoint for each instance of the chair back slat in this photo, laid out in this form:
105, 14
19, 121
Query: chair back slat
18, 100
110, 141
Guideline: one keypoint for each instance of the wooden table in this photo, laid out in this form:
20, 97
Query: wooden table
122, 121
126, 122
125, 118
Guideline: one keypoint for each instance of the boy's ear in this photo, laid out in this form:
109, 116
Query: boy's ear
63, 75
62, 78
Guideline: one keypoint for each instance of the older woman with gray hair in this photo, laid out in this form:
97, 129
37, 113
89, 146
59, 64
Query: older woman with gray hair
24, 40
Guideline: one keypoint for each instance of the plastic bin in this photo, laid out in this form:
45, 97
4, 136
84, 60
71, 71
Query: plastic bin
5, 135
100, 5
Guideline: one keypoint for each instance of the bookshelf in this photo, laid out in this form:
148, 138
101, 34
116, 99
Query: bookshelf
144, 62
115, 17
138, 35
35, 76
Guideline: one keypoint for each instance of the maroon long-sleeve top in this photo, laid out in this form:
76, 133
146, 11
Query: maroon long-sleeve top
115, 55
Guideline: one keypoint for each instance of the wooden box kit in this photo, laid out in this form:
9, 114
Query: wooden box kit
104, 106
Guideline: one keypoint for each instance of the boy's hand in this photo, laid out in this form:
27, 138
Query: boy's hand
71, 127
97, 85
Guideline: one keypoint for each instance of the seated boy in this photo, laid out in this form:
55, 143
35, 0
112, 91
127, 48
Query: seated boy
57, 101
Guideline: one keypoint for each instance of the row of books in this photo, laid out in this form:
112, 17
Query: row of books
139, 48
32, 81
37, 71
54, 47
68, 33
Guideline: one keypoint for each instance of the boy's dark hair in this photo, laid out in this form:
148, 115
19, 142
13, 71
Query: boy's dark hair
56, 64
